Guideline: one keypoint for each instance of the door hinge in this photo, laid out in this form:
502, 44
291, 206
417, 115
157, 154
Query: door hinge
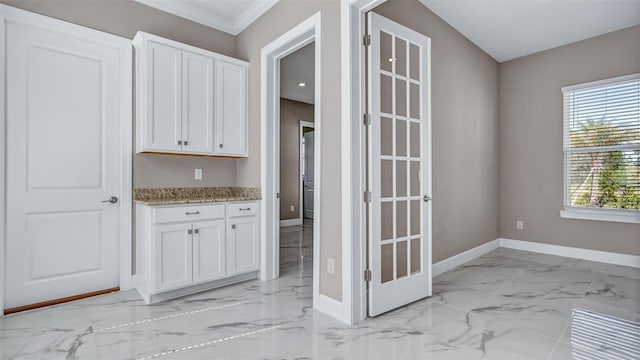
367, 196
366, 40
366, 119
367, 275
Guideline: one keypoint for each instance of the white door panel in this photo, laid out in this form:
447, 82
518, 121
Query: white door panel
197, 103
63, 159
308, 174
400, 166
164, 131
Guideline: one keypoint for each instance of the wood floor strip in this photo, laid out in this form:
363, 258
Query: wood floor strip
59, 301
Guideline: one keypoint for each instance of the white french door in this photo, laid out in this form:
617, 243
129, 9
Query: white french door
399, 165
65, 99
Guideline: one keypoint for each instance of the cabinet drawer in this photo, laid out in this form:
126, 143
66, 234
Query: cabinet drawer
243, 209
188, 213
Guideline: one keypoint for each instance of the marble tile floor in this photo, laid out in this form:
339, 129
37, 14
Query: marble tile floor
507, 304
296, 245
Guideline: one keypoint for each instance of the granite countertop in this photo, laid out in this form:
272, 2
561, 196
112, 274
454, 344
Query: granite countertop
194, 195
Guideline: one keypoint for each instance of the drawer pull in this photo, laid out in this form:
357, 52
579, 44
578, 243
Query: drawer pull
192, 213
247, 209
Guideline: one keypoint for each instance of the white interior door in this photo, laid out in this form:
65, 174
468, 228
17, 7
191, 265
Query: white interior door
64, 105
400, 166
308, 174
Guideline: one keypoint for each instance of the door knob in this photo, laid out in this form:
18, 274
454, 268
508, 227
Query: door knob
426, 198
112, 200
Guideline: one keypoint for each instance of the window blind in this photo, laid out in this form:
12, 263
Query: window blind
602, 144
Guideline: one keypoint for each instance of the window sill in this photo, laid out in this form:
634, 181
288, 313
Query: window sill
630, 217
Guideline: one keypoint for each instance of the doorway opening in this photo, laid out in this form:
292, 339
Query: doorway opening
297, 140
290, 90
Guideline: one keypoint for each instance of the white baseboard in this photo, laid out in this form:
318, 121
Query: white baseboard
329, 306
290, 222
459, 259
573, 252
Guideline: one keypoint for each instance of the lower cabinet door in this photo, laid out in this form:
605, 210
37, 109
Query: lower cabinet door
242, 245
173, 256
208, 250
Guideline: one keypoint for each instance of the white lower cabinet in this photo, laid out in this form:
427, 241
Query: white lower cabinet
209, 262
173, 249
189, 248
242, 252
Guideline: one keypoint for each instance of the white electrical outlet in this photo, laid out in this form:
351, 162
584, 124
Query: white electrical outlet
331, 266
198, 174
519, 225
293, 208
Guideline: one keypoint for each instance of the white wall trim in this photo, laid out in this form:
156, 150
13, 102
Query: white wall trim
126, 150
290, 222
301, 126
352, 55
3, 150
329, 306
308, 31
573, 252
463, 257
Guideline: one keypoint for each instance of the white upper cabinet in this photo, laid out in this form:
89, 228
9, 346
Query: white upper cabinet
189, 100
197, 103
231, 98
162, 131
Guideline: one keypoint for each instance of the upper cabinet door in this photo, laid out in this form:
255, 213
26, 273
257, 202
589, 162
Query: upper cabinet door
231, 109
197, 103
164, 103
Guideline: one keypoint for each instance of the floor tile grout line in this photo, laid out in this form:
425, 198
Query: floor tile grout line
167, 317
191, 347
558, 340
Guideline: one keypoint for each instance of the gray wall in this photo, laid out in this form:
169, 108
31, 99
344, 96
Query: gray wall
531, 157
465, 132
275, 22
291, 112
125, 18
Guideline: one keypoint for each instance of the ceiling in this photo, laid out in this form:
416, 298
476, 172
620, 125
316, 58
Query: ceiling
508, 29
231, 16
295, 68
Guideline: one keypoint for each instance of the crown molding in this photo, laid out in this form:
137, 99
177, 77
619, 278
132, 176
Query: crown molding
182, 9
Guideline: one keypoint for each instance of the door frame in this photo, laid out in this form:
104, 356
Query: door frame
308, 31
7, 14
304, 124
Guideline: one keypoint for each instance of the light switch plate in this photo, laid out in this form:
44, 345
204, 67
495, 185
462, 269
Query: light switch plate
198, 174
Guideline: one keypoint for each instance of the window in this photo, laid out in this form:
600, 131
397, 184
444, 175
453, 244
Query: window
602, 150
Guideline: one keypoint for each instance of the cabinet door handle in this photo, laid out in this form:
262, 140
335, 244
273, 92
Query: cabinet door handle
196, 231
247, 209
179, 142
192, 213
185, 143
233, 226
190, 232
221, 146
